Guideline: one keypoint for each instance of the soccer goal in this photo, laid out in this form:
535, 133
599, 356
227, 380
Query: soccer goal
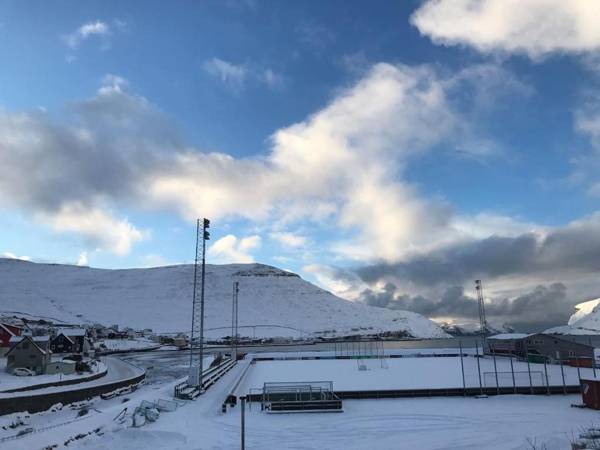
521, 378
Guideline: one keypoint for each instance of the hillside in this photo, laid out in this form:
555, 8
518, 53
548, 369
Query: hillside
160, 298
585, 320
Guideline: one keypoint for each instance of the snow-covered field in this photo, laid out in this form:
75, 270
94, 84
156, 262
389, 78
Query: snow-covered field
504, 422
160, 298
407, 373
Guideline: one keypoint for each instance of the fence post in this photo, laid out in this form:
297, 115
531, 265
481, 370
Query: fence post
528, 369
578, 372
546, 372
512, 371
562, 372
243, 421
593, 357
462, 368
478, 367
496, 371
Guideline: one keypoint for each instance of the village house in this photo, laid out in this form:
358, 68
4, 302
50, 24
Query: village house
546, 346
7, 332
30, 352
69, 340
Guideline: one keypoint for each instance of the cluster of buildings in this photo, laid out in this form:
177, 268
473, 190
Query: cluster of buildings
32, 348
540, 347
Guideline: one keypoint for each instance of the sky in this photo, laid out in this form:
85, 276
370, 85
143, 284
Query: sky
391, 152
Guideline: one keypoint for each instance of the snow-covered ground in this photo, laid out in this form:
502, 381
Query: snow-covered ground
129, 344
407, 373
504, 422
9, 381
160, 298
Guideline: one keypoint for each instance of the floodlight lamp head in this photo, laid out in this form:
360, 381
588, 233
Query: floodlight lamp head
206, 223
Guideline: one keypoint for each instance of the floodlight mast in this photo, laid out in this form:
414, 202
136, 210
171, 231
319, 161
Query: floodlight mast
197, 334
481, 304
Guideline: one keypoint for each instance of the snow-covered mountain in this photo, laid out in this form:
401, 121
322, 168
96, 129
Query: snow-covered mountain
585, 320
160, 298
473, 329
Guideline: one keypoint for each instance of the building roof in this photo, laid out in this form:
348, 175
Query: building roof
71, 331
29, 338
66, 336
33, 338
510, 336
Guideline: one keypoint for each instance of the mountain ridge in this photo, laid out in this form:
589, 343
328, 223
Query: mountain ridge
160, 298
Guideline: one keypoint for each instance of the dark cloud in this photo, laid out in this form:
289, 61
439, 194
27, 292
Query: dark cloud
572, 249
542, 308
111, 140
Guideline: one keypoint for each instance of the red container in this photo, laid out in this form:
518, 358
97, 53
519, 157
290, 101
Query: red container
581, 362
590, 393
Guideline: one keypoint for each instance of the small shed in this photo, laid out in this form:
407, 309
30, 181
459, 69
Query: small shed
65, 367
590, 392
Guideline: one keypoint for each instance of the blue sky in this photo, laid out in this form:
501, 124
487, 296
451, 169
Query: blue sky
321, 137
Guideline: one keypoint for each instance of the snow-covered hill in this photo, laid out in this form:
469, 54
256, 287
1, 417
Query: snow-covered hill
585, 320
160, 298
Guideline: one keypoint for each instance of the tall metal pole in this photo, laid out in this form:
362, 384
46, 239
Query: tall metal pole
481, 304
243, 422
232, 321
205, 237
462, 367
236, 292
192, 333
478, 368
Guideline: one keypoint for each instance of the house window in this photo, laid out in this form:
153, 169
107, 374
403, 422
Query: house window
25, 345
571, 353
31, 356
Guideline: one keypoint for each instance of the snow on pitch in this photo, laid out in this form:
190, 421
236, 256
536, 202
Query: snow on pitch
160, 298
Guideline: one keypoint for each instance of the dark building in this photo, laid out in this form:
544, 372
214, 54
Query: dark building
549, 346
62, 344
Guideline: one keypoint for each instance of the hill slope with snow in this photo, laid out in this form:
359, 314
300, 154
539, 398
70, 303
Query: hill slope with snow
160, 298
585, 320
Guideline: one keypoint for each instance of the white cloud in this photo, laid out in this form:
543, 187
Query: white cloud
11, 255
236, 75
289, 239
98, 227
342, 167
534, 27
229, 249
83, 259
227, 72
85, 31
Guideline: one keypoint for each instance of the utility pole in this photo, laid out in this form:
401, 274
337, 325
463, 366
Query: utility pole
234, 320
481, 305
197, 333
205, 237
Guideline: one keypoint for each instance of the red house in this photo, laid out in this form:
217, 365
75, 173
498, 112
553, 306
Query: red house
6, 332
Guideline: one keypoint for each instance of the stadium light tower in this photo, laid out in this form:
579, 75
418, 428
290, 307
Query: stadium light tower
197, 334
481, 304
